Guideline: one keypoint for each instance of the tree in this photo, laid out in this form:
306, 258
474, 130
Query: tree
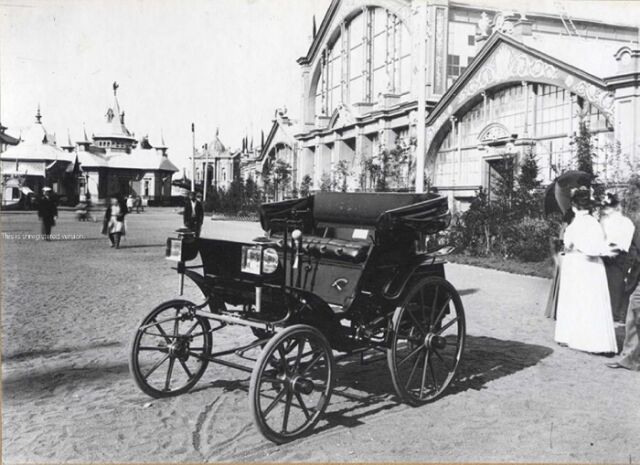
631, 198
281, 176
371, 172
252, 196
267, 173
326, 184
305, 186
527, 196
343, 172
584, 147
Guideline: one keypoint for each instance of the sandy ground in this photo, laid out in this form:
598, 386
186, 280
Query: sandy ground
70, 308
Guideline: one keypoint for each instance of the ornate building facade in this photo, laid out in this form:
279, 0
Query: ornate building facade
36, 161
496, 85
216, 166
113, 162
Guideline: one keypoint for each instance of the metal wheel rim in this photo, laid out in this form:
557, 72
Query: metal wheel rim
422, 370
282, 407
170, 349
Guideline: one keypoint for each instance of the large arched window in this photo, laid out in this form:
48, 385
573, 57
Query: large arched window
507, 122
370, 55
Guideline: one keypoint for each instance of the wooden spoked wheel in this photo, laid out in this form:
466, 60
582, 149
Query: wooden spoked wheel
427, 341
169, 352
291, 383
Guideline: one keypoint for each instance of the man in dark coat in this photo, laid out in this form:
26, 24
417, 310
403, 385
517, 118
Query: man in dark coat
630, 355
193, 215
47, 212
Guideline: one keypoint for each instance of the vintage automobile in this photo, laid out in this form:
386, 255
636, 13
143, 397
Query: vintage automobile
336, 274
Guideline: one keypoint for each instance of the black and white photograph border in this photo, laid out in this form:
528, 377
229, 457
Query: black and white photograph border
373, 152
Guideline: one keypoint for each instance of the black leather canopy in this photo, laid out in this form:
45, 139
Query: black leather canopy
380, 210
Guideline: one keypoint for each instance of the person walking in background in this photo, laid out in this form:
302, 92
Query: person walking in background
618, 231
113, 224
130, 202
584, 320
193, 215
47, 212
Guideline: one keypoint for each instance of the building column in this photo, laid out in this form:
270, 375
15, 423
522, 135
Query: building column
307, 101
525, 95
535, 88
625, 86
455, 128
438, 33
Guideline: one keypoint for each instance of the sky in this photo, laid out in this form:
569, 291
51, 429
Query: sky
224, 64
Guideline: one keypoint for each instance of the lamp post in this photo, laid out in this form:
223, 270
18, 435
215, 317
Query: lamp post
422, 96
193, 157
206, 170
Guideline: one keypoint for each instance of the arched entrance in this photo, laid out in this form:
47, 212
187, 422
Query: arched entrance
478, 145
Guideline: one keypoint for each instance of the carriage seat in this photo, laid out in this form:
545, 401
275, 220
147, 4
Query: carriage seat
327, 247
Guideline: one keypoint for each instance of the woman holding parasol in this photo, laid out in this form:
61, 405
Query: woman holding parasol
584, 320
558, 199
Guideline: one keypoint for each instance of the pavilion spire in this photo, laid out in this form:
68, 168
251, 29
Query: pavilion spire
38, 115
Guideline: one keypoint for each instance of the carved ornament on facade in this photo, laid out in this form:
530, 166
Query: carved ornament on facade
343, 116
599, 98
493, 132
506, 64
502, 22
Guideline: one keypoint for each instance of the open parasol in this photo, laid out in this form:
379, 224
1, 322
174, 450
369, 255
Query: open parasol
557, 196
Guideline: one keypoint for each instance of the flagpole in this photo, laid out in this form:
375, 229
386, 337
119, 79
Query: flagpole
206, 171
193, 157
421, 110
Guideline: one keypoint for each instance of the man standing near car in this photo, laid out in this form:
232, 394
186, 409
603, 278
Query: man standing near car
630, 356
47, 212
193, 214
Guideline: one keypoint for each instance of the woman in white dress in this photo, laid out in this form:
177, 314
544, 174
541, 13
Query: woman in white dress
114, 223
584, 320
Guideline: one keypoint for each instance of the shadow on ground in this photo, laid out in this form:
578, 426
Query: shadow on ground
368, 388
20, 356
73, 375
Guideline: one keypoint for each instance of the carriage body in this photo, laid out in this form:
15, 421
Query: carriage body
352, 270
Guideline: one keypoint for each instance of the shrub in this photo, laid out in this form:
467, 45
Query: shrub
528, 240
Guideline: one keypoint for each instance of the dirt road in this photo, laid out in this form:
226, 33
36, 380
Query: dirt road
70, 307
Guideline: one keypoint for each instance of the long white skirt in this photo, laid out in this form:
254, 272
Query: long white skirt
584, 319
115, 226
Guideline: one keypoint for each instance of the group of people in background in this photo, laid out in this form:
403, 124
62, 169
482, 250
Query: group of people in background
114, 224
597, 279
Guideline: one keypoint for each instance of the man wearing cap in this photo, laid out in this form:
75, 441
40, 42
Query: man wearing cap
47, 212
193, 215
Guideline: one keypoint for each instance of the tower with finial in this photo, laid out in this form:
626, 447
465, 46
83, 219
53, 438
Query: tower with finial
38, 116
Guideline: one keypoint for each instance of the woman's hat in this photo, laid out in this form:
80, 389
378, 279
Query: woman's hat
610, 200
581, 198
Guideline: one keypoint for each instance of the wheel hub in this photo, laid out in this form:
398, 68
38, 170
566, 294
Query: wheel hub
302, 385
433, 341
179, 349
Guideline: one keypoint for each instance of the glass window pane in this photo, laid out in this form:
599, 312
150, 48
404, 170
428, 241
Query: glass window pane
355, 62
379, 51
379, 20
356, 30
379, 82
